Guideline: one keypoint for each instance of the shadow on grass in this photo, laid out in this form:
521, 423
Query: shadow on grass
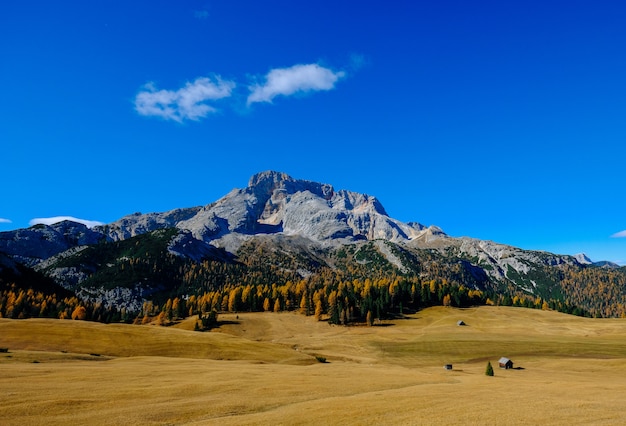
227, 322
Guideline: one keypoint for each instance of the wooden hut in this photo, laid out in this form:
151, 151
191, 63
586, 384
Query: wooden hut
505, 363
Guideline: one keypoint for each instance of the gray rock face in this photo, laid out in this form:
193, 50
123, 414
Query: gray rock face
68, 278
583, 259
130, 299
499, 260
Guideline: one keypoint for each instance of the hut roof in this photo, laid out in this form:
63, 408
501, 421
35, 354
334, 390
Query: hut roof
504, 360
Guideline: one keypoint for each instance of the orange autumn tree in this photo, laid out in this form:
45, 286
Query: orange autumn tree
80, 313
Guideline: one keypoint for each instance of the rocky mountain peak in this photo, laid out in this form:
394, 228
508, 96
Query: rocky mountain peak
266, 184
272, 203
269, 180
275, 203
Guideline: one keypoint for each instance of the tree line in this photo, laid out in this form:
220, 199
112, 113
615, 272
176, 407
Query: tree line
20, 303
334, 300
360, 287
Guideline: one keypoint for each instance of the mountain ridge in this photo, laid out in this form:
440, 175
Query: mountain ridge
274, 202
309, 223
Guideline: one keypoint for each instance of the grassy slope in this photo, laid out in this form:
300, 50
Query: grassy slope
122, 340
573, 371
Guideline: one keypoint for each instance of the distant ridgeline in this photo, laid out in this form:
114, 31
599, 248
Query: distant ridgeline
283, 244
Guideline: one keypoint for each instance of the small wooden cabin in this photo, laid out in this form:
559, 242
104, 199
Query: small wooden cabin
448, 366
505, 363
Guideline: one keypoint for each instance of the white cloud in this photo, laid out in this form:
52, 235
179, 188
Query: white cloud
57, 219
186, 103
621, 234
5, 220
298, 78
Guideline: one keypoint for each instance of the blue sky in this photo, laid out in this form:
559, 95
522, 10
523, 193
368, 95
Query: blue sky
497, 120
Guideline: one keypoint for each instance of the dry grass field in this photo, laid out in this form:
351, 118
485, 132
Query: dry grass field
260, 368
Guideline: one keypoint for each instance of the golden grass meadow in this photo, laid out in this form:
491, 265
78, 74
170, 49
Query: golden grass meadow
261, 368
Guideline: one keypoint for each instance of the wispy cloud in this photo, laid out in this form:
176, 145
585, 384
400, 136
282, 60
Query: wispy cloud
57, 219
186, 103
621, 234
194, 100
295, 79
2, 220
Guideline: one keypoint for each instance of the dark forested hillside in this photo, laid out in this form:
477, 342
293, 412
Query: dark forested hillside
346, 284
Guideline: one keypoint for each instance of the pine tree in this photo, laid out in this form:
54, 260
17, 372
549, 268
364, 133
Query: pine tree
489, 370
